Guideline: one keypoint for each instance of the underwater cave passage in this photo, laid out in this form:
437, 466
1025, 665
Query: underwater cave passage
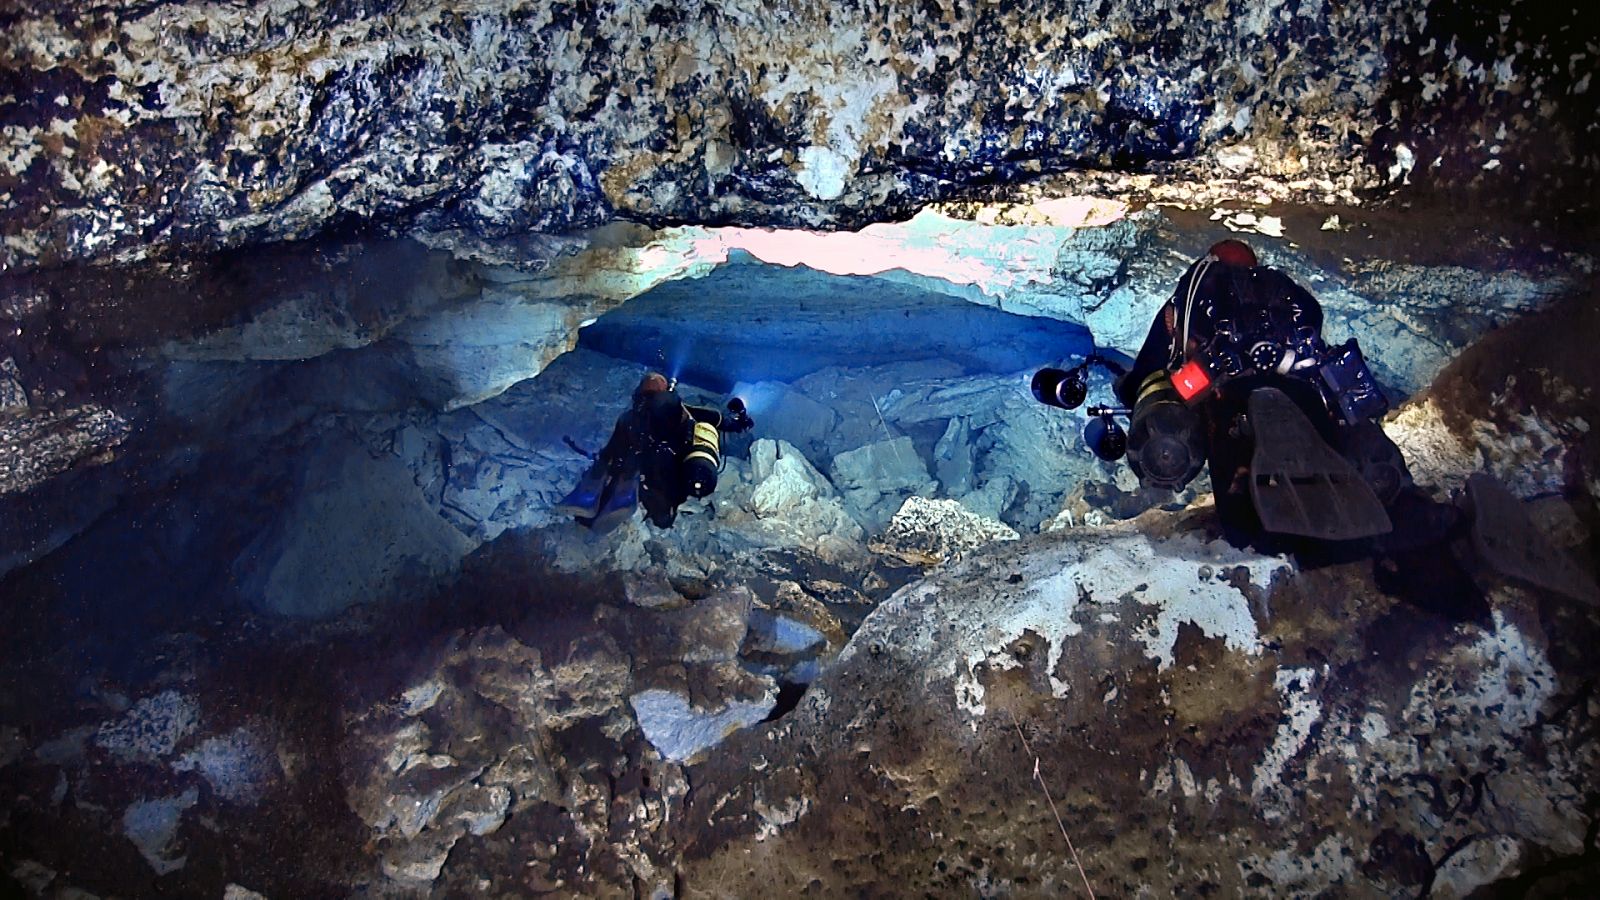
888, 385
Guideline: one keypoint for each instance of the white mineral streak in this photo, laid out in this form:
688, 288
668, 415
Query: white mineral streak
1298, 874
1301, 710
774, 818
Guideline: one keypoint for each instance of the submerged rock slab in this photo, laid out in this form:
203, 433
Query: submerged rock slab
152, 825
682, 732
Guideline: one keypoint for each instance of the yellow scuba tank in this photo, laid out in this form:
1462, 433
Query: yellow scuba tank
699, 466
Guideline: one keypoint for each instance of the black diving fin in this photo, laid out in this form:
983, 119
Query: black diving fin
1506, 541
621, 499
1299, 484
584, 501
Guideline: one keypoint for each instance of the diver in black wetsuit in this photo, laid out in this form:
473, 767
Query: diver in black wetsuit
1235, 372
661, 452
1231, 328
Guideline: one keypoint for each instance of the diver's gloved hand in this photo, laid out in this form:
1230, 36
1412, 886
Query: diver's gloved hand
738, 417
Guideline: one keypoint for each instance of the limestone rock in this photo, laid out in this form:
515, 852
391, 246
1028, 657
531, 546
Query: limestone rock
43, 444
777, 500
993, 498
491, 122
783, 479
1037, 656
952, 458
933, 531
428, 770
466, 355
152, 729
152, 825
358, 529
874, 479
13, 398
681, 732
240, 766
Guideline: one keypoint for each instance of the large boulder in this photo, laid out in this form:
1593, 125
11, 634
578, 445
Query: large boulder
876, 478
357, 530
1164, 712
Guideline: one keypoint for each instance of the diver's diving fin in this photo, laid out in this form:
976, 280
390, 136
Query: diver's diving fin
1302, 486
620, 502
584, 501
1506, 541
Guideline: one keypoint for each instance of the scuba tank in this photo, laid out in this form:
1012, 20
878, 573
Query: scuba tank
700, 464
1166, 444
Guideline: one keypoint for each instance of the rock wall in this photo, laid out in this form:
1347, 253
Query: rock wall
212, 123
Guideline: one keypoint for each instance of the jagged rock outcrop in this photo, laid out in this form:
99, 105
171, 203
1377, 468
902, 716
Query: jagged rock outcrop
191, 122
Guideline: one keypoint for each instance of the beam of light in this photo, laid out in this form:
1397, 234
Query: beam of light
760, 397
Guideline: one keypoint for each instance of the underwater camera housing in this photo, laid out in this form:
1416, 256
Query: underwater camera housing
1068, 388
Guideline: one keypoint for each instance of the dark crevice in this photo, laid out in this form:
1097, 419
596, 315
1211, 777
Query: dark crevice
789, 694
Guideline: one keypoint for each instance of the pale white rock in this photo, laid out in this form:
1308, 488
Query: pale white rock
937, 530
783, 478
152, 826
1055, 577
240, 766
152, 729
681, 732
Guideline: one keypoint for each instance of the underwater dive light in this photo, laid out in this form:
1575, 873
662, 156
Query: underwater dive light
1061, 388
1104, 436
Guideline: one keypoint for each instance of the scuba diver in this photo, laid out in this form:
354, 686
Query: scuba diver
661, 452
1234, 375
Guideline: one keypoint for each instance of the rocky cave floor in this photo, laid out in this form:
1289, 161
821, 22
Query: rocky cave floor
916, 642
